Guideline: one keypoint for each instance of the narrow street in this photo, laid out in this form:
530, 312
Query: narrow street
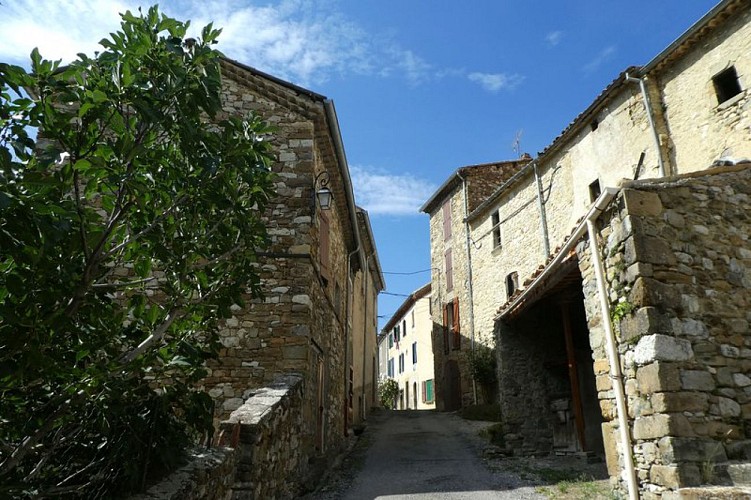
421, 455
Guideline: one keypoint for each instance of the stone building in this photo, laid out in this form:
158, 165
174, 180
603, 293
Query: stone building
364, 338
320, 274
454, 332
637, 362
408, 351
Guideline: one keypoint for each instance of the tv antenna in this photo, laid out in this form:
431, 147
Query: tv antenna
516, 146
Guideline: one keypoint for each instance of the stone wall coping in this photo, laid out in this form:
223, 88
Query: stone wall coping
186, 481
263, 401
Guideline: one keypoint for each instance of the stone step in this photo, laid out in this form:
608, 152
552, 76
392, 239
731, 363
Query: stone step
732, 474
710, 493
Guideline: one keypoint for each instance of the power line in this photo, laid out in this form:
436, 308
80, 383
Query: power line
413, 272
396, 294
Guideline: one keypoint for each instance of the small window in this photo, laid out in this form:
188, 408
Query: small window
512, 284
414, 353
397, 337
391, 340
404, 328
495, 220
413, 318
595, 123
726, 84
594, 190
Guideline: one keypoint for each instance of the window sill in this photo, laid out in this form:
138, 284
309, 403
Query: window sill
733, 100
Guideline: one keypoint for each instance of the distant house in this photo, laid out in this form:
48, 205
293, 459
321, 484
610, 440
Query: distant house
320, 275
407, 351
454, 332
615, 271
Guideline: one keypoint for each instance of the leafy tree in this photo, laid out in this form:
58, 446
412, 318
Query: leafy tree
127, 229
388, 393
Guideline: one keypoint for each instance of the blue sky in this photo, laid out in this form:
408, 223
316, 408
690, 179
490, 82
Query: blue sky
420, 87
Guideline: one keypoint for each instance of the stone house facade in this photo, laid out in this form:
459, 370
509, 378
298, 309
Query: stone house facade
319, 271
364, 338
558, 369
454, 332
408, 351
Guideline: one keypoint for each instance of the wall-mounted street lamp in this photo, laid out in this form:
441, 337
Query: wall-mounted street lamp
322, 193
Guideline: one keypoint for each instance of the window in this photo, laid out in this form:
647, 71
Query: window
391, 340
495, 220
449, 272
404, 328
446, 212
390, 367
451, 332
427, 391
413, 318
414, 353
401, 363
726, 84
512, 284
323, 252
396, 335
594, 190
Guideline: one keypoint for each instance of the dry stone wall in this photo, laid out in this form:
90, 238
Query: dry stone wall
678, 265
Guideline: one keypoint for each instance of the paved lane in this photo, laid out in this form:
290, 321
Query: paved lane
428, 455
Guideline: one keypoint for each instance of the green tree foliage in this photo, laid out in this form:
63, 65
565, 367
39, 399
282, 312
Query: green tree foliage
127, 229
388, 393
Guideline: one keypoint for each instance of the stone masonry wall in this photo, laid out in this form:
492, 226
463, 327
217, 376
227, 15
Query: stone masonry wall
208, 476
299, 324
267, 431
700, 129
442, 296
678, 265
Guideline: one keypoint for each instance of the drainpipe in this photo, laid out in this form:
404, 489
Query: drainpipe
347, 323
543, 215
469, 279
651, 119
614, 359
363, 413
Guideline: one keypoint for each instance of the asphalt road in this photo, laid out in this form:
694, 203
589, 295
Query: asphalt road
424, 455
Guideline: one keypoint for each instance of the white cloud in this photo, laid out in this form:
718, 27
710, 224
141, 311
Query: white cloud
554, 38
493, 82
383, 193
303, 41
603, 56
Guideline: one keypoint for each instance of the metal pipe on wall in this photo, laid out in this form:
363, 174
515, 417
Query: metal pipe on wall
651, 120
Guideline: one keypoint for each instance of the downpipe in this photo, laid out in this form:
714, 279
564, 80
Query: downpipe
612, 350
651, 119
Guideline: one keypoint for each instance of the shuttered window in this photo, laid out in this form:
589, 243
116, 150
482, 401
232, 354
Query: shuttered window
455, 327
449, 271
446, 212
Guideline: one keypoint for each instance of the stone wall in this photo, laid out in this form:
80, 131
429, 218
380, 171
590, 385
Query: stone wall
678, 265
209, 475
700, 129
267, 431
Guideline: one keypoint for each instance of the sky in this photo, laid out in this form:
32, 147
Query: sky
421, 87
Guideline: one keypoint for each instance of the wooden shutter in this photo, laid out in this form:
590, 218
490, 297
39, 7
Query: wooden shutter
455, 327
423, 392
445, 328
446, 212
449, 271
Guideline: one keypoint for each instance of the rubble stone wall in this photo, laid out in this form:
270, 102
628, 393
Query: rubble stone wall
267, 431
678, 263
701, 130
